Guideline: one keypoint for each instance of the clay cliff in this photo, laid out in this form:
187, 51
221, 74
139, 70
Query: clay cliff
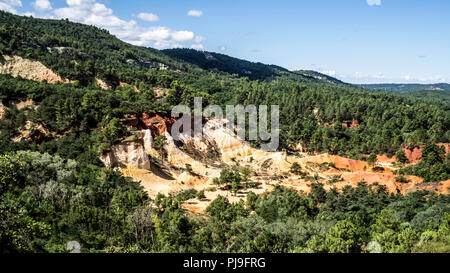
220, 148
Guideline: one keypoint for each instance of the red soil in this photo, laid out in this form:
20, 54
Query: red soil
413, 154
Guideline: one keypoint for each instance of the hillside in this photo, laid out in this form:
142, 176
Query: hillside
87, 154
220, 62
255, 71
318, 76
435, 96
401, 88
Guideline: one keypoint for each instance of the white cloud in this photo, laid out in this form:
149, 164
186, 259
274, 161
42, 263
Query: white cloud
93, 13
198, 39
148, 17
10, 5
42, 5
182, 36
222, 48
374, 2
195, 13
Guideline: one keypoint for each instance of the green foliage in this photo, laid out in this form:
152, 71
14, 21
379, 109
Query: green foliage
401, 157
221, 209
435, 166
372, 159
296, 169
55, 189
343, 238
402, 179
159, 142
113, 131
201, 195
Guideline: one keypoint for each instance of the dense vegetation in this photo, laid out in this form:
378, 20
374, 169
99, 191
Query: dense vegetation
435, 164
47, 201
54, 189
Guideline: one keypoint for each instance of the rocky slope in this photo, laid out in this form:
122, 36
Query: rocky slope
17, 66
29, 69
220, 148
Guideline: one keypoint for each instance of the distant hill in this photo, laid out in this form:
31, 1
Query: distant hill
393, 87
242, 68
224, 63
318, 76
436, 96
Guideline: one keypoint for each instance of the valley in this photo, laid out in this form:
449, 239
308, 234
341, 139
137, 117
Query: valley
87, 153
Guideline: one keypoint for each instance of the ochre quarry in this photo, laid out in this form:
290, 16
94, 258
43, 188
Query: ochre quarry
220, 148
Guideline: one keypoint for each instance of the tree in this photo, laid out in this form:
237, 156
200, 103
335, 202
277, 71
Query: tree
235, 185
113, 131
372, 160
158, 144
201, 195
245, 174
343, 238
252, 198
401, 157
232, 179
296, 169
432, 154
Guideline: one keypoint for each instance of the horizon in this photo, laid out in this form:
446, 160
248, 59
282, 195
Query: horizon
358, 41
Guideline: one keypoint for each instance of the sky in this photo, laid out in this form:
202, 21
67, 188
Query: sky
357, 41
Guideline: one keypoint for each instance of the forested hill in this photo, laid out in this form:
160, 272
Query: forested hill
314, 106
76, 51
242, 68
401, 88
54, 188
224, 63
81, 52
318, 76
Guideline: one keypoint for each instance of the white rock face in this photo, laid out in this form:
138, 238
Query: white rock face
29, 69
130, 154
148, 141
228, 143
174, 155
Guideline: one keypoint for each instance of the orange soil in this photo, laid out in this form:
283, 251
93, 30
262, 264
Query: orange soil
414, 154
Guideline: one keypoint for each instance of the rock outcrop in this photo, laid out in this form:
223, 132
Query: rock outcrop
29, 69
129, 153
195, 160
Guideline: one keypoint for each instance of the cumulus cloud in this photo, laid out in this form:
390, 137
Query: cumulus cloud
195, 13
182, 36
148, 17
374, 2
42, 5
10, 5
222, 48
94, 13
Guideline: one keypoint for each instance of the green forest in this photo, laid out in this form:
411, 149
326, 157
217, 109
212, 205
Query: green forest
55, 189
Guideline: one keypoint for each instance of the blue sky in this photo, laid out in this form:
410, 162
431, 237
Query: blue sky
358, 41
